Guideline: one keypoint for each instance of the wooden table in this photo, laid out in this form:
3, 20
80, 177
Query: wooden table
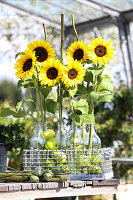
32, 191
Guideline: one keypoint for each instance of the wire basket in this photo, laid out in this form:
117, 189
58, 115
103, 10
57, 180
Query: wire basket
77, 164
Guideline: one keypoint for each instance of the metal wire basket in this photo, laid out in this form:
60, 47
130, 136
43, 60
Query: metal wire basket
78, 164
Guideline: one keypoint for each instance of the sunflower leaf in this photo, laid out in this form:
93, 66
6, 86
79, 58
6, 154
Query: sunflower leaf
28, 83
20, 104
102, 96
95, 71
106, 83
82, 89
87, 119
72, 91
88, 77
19, 53
45, 91
51, 106
75, 118
81, 105
8, 112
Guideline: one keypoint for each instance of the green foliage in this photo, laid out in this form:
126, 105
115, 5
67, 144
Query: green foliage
95, 71
9, 92
19, 53
83, 119
28, 83
51, 106
81, 105
106, 84
72, 91
103, 95
114, 125
12, 135
45, 91
8, 111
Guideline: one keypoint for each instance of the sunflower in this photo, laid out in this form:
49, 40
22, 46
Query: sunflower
43, 50
25, 65
100, 51
77, 51
51, 72
73, 74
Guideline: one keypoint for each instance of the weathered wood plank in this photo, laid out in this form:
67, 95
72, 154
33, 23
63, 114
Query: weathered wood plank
49, 193
3, 188
110, 182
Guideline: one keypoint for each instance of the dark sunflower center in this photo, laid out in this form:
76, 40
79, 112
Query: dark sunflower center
78, 54
100, 51
52, 73
27, 65
41, 54
72, 73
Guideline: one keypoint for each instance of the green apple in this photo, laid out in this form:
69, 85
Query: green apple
50, 163
48, 134
59, 156
94, 170
83, 161
96, 159
52, 144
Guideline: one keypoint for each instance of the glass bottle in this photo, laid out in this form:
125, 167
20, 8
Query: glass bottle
96, 141
37, 139
75, 139
65, 137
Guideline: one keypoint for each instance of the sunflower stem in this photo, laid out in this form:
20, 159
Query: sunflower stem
59, 89
92, 110
45, 32
74, 124
44, 108
62, 36
37, 99
73, 24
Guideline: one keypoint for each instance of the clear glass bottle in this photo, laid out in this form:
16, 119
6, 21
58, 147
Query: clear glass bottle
96, 141
75, 138
37, 139
66, 134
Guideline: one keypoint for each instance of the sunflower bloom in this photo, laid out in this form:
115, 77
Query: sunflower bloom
42, 49
100, 51
73, 74
50, 72
25, 65
77, 51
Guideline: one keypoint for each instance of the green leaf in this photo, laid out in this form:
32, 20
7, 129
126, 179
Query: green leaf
19, 53
45, 91
106, 84
87, 119
72, 91
88, 61
95, 71
82, 89
20, 104
105, 96
7, 112
94, 95
28, 83
88, 77
75, 118
64, 95
81, 105
51, 106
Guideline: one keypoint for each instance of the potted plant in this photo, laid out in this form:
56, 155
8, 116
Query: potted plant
11, 137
